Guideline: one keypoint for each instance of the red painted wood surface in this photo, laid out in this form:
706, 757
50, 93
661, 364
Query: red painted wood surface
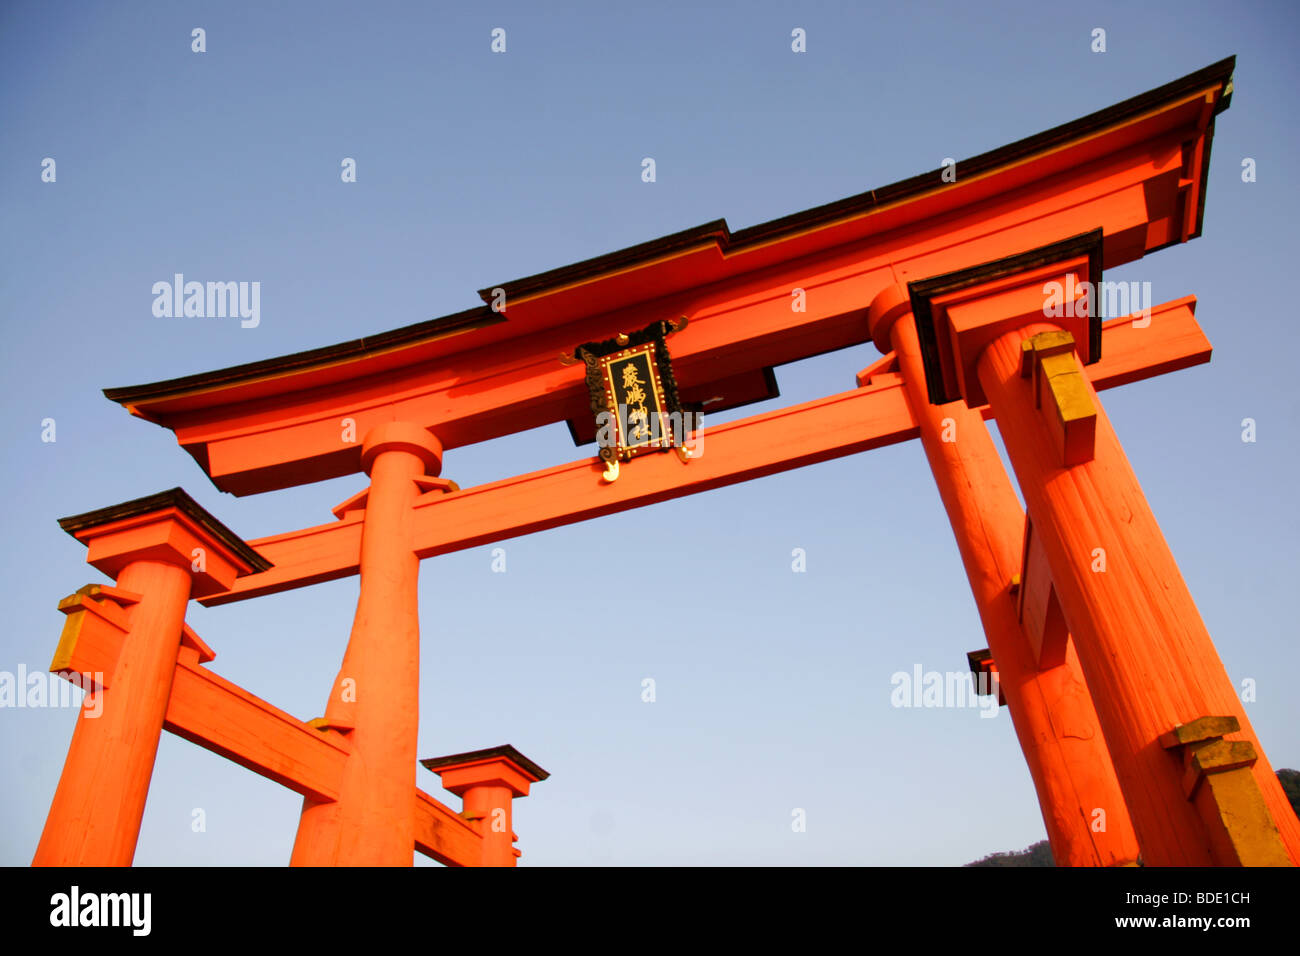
765, 444
208, 710
375, 698
256, 431
218, 715
94, 818
1147, 656
1052, 712
445, 835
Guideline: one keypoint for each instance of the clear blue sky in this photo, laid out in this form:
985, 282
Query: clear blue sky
773, 688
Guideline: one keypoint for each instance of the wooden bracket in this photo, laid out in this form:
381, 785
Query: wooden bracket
426, 484
1217, 778
97, 624
887, 363
1058, 376
1037, 606
984, 671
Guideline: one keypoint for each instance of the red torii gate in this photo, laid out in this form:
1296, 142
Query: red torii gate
1118, 697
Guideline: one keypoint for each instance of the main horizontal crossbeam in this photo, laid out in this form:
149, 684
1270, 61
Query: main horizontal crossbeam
871, 416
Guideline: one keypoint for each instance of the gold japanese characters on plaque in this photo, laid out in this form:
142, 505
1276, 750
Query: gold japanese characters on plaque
634, 395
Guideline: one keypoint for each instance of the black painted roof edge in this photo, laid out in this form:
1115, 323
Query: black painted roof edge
922, 291
505, 750
172, 498
422, 331
716, 230
864, 202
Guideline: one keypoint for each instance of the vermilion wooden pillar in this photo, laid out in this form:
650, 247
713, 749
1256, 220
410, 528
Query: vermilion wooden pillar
488, 781
375, 699
1083, 808
163, 550
1148, 659
1144, 647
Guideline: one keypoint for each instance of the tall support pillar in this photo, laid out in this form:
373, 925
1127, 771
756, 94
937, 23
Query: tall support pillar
375, 698
162, 550
1053, 714
1147, 654
1153, 671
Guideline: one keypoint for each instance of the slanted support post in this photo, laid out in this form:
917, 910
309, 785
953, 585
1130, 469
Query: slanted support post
1061, 391
162, 550
488, 781
1053, 716
1146, 654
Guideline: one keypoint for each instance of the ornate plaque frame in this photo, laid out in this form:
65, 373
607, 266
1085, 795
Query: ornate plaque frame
634, 395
